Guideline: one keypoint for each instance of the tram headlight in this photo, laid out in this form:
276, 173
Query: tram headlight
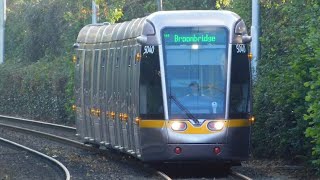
178, 126
215, 125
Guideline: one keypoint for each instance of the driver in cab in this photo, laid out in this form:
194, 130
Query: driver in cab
195, 89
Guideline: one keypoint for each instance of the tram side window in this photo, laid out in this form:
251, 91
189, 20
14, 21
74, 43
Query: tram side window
151, 101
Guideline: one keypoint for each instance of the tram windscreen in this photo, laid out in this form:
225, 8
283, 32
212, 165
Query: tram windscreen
195, 60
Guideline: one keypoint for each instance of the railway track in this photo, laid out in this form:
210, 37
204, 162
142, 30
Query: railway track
239, 175
203, 171
33, 122
234, 174
166, 177
65, 135
50, 131
44, 130
50, 128
23, 153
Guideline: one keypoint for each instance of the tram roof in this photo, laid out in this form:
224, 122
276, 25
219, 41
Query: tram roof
105, 32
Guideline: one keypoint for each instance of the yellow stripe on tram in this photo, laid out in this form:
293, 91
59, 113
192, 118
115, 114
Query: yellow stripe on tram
152, 123
238, 123
163, 123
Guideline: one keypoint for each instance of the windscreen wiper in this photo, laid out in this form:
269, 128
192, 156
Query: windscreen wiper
187, 112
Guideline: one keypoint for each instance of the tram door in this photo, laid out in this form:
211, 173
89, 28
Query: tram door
111, 95
95, 108
135, 94
87, 94
102, 97
117, 86
129, 97
79, 64
124, 94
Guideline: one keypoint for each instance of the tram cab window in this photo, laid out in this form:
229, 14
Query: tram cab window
196, 56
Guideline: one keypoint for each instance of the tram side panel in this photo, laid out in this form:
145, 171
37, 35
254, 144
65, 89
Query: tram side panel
135, 93
132, 99
112, 96
117, 80
124, 95
87, 93
95, 96
129, 98
108, 88
121, 92
240, 100
79, 93
92, 88
102, 96
152, 126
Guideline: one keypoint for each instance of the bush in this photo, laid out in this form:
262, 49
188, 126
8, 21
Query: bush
286, 89
38, 91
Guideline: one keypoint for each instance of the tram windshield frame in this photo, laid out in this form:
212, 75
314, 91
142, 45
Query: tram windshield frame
195, 64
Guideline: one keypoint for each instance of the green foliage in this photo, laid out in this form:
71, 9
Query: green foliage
39, 39
189, 5
279, 95
110, 11
221, 4
243, 9
311, 55
48, 28
140, 8
286, 90
36, 91
37, 29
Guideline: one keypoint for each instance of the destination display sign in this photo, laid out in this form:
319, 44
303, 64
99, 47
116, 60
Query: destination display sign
193, 35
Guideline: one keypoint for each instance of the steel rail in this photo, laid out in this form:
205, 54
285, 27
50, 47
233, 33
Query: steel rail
50, 136
239, 175
166, 177
59, 164
34, 122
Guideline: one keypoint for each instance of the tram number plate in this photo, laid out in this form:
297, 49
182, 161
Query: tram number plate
148, 50
241, 48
